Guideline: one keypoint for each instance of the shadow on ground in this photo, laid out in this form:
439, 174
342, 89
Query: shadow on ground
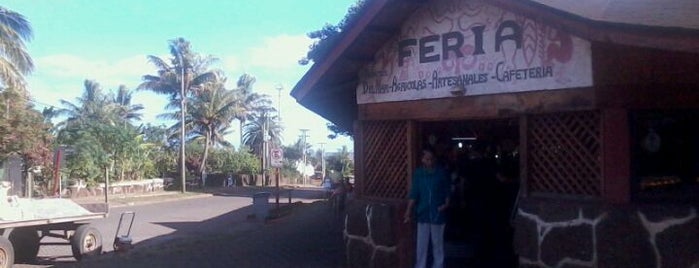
299, 235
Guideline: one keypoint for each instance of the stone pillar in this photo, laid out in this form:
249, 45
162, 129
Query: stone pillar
560, 233
371, 235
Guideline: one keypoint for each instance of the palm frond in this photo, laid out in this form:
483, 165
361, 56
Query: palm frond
13, 48
9, 75
159, 63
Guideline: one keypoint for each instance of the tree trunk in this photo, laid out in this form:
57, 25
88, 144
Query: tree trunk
122, 172
202, 169
240, 130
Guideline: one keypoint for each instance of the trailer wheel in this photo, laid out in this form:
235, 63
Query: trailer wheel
26, 244
86, 241
7, 253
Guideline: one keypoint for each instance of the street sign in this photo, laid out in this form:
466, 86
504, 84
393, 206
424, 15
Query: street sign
276, 157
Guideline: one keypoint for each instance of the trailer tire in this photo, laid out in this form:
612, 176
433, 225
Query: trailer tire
86, 241
25, 241
7, 253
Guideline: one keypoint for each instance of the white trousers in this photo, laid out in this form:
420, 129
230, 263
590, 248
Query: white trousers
425, 233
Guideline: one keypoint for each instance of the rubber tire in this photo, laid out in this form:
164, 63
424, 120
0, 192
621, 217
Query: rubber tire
26, 244
7, 253
77, 242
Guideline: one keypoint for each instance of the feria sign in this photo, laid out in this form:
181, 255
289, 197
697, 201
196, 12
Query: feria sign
465, 47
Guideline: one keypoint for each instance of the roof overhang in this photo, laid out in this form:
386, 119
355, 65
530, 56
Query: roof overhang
329, 87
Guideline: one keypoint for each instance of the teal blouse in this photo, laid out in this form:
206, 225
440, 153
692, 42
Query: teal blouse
429, 189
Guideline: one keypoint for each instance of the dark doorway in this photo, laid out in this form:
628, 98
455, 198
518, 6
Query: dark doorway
665, 155
483, 159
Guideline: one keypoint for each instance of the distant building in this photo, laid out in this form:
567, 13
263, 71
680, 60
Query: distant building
11, 171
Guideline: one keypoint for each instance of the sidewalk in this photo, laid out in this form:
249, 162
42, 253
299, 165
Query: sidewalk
299, 192
120, 200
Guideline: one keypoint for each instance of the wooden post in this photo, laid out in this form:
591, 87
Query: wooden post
523, 155
616, 173
28, 190
106, 187
277, 175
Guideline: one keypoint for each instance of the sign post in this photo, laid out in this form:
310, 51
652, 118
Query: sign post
277, 155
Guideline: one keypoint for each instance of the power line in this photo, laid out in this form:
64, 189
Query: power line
42, 104
32, 100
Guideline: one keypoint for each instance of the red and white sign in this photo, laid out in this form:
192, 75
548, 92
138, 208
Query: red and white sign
469, 47
276, 157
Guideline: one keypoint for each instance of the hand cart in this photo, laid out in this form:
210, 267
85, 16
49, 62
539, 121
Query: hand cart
123, 243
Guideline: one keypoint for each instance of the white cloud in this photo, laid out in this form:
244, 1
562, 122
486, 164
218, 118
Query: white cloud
153, 106
61, 76
230, 64
109, 74
280, 52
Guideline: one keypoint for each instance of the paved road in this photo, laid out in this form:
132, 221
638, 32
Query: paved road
225, 212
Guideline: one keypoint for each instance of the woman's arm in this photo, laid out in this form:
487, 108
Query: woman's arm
409, 211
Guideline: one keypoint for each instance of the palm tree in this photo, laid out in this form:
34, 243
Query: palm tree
260, 126
243, 89
212, 111
254, 130
186, 72
123, 107
185, 67
249, 101
15, 61
90, 107
346, 162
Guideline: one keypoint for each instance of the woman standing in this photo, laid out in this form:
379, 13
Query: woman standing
429, 199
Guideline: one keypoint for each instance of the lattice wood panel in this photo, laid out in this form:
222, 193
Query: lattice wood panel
385, 159
564, 153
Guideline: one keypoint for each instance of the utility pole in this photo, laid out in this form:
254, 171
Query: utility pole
322, 161
183, 107
264, 149
303, 150
278, 175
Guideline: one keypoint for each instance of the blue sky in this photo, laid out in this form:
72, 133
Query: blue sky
108, 40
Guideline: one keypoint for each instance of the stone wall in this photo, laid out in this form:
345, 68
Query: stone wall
373, 235
590, 234
80, 189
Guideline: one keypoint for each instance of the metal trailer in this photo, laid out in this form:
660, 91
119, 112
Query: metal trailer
22, 228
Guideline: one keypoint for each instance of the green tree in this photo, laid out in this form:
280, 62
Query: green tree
327, 37
184, 67
293, 152
241, 162
179, 79
337, 131
259, 125
341, 161
24, 132
213, 110
249, 102
92, 106
87, 158
98, 130
324, 40
164, 154
123, 108
15, 61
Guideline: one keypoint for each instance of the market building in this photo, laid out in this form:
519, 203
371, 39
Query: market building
585, 115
